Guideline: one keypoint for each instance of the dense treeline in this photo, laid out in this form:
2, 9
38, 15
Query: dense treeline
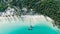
49, 8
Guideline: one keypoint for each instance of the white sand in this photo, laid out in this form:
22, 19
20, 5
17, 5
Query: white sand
25, 20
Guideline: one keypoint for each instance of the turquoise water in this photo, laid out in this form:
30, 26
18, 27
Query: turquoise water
36, 30
42, 29
21, 27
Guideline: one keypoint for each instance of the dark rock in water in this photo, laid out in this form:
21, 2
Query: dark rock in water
56, 24
58, 27
53, 25
30, 28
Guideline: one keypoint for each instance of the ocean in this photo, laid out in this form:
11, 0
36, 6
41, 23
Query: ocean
22, 26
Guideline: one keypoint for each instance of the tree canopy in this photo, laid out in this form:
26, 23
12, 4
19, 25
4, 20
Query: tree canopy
50, 8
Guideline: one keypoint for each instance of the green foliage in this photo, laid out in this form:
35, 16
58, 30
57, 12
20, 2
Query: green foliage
49, 8
3, 6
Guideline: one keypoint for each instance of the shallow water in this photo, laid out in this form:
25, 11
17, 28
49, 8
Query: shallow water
21, 27
37, 29
42, 29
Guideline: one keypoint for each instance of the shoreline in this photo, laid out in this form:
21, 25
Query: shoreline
26, 19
